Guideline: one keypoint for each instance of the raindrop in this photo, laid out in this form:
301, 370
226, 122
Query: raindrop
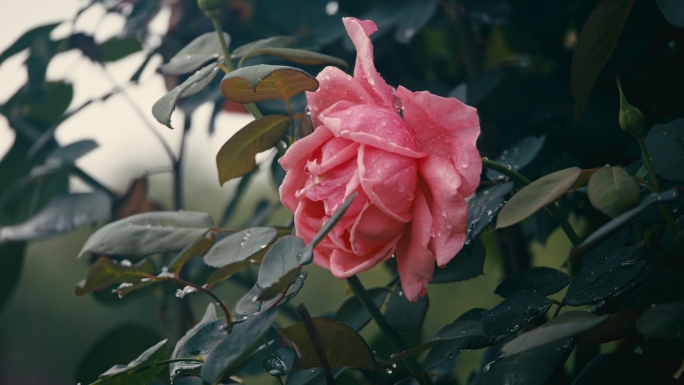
307, 110
146, 280
186, 290
489, 212
165, 273
401, 293
347, 113
383, 123
126, 263
664, 133
409, 33
398, 105
332, 7
389, 371
386, 165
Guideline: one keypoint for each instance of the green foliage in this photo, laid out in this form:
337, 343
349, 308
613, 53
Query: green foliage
264, 82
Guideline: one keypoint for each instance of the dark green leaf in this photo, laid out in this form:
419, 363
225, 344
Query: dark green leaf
403, 315
227, 271
606, 276
312, 376
237, 156
204, 48
483, 207
663, 321
514, 313
352, 312
150, 233
305, 256
465, 265
518, 156
594, 46
624, 368
71, 152
231, 353
542, 280
612, 191
263, 82
63, 214
665, 143
139, 371
118, 48
240, 246
164, 107
280, 362
279, 266
193, 250
618, 326
673, 10
533, 367
149, 356
198, 342
466, 332
251, 303
299, 56
27, 39
673, 252
563, 327
342, 345
271, 42
412, 17
106, 272
128, 287
536, 195
122, 344
667, 286
615, 241
11, 265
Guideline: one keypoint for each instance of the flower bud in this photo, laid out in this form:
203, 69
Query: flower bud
211, 6
631, 119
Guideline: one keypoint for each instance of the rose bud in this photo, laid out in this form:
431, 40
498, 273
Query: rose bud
410, 156
631, 119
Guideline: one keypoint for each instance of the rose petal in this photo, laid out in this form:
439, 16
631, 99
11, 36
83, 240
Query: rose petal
334, 152
364, 69
309, 217
373, 229
295, 179
415, 261
345, 264
335, 85
329, 187
447, 128
448, 207
303, 148
389, 180
372, 125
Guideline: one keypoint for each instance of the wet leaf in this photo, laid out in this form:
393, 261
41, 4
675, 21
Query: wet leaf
467, 264
518, 156
594, 46
606, 276
563, 327
62, 214
663, 321
106, 272
312, 376
342, 345
251, 303
352, 312
237, 156
234, 350
264, 82
466, 332
139, 371
204, 48
666, 286
673, 10
240, 246
164, 107
228, 271
299, 56
536, 195
279, 266
271, 42
514, 313
198, 342
280, 362
618, 326
612, 191
193, 250
665, 143
403, 315
483, 207
149, 233
542, 280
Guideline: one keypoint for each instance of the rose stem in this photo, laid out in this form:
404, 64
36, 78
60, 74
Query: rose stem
361, 293
649, 165
224, 307
552, 208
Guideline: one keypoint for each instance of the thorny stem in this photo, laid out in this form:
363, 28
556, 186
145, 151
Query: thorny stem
552, 208
396, 341
224, 307
654, 178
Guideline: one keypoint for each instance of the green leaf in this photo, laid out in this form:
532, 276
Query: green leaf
240, 246
618, 326
106, 272
279, 266
63, 214
305, 256
164, 107
518, 155
271, 42
149, 233
251, 303
11, 266
466, 332
121, 344
468, 263
612, 191
139, 371
204, 48
542, 280
342, 345
536, 196
280, 362
352, 312
299, 56
666, 286
263, 82
228, 271
673, 252
403, 315
193, 250
237, 156
483, 207
606, 276
663, 321
27, 39
118, 48
673, 10
514, 313
666, 147
198, 342
534, 367
233, 351
563, 327
594, 46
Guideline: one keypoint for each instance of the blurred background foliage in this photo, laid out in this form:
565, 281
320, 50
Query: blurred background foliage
511, 59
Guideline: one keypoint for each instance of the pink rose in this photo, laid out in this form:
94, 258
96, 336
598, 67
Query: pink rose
412, 173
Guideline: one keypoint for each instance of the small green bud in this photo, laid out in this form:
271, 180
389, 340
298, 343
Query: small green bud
210, 5
631, 119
